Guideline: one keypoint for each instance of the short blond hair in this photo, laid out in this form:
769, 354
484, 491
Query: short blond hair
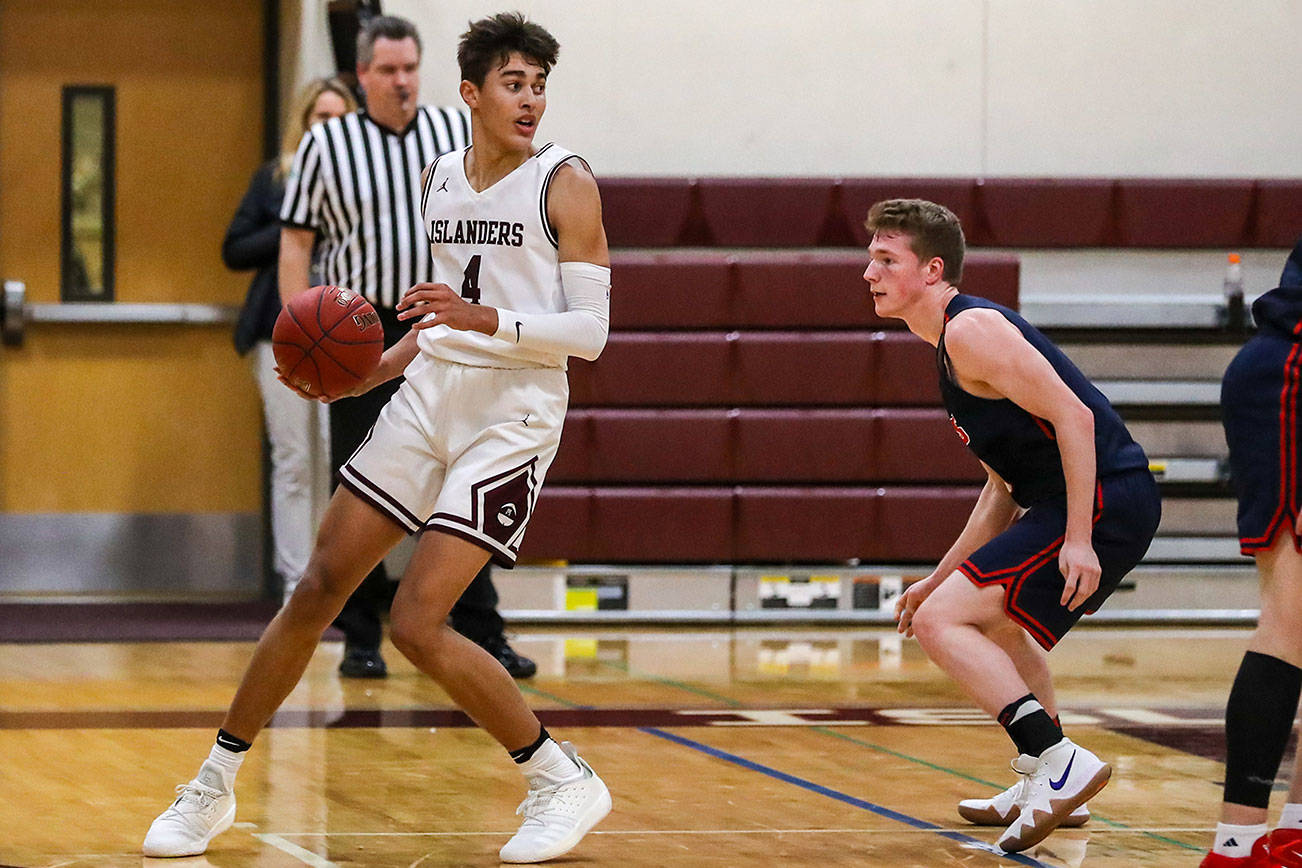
301, 110
933, 230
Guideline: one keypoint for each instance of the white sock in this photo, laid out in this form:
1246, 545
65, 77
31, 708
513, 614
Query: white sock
550, 762
1291, 816
227, 762
1236, 841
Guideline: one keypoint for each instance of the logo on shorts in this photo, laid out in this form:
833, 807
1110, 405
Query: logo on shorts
962, 435
506, 516
501, 504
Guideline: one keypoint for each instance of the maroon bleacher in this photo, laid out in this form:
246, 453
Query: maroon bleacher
740, 524
995, 212
750, 407
682, 447
1039, 212
815, 289
753, 369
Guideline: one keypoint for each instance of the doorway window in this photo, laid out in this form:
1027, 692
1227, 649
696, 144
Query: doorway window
88, 187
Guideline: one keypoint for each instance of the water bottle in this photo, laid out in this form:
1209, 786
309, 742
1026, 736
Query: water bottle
1235, 314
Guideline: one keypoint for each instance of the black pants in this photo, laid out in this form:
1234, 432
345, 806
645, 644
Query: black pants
475, 614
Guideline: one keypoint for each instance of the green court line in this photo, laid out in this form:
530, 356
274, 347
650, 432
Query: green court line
529, 688
681, 685
729, 701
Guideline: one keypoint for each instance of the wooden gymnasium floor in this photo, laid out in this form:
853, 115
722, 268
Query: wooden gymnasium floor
815, 747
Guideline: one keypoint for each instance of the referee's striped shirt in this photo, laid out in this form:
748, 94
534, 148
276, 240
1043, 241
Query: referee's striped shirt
357, 183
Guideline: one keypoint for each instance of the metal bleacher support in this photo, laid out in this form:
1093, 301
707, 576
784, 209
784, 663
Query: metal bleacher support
1163, 396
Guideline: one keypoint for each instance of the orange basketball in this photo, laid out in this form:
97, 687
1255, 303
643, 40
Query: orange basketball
327, 340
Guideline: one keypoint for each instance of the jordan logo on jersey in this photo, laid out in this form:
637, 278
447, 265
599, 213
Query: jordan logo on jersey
477, 232
443, 188
962, 435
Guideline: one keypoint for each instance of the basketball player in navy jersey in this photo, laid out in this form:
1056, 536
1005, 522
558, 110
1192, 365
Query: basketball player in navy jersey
1068, 508
459, 453
1259, 407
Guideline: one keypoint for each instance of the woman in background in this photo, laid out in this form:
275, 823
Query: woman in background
297, 429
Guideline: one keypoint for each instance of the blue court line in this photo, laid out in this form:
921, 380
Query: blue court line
839, 796
733, 703
881, 811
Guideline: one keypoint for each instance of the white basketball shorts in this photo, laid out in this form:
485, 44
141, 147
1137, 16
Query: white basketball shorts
463, 450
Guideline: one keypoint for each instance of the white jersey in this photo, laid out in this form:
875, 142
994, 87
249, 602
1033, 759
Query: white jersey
495, 247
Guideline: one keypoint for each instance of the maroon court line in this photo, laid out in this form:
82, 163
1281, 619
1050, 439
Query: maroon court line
1197, 737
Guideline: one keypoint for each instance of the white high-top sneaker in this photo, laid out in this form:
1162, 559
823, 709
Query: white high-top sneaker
1065, 777
204, 808
558, 814
1002, 809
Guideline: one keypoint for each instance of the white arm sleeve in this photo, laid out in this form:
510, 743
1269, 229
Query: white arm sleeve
580, 330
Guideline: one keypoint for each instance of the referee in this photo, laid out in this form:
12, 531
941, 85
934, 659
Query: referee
355, 184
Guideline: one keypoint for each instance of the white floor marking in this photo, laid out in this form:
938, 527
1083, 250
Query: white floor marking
1093, 830
307, 857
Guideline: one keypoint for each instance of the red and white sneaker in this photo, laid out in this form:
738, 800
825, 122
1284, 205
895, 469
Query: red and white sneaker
1258, 858
1002, 809
1285, 848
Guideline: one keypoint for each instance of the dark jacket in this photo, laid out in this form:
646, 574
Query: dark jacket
1292, 275
1279, 312
253, 241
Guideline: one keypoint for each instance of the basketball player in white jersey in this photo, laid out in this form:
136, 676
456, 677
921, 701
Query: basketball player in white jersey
460, 451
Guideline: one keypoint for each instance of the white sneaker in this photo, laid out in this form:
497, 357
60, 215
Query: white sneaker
1003, 808
558, 814
1065, 777
204, 808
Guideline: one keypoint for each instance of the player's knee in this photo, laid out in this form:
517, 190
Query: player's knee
929, 622
319, 588
415, 639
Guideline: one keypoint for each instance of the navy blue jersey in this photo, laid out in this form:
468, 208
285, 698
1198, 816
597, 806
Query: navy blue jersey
1021, 447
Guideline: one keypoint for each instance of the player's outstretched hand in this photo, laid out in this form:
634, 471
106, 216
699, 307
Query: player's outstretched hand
1081, 571
909, 602
448, 308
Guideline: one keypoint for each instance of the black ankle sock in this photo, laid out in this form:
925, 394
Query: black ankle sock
524, 754
1258, 723
1031, 729
231, 743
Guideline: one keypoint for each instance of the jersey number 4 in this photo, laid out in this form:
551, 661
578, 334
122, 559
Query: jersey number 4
470, 280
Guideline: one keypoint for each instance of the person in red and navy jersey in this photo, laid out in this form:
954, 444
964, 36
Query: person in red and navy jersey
1259, 407
1069, 507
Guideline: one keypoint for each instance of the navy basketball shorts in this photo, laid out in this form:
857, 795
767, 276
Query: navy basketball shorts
1024, 558
1259, 408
